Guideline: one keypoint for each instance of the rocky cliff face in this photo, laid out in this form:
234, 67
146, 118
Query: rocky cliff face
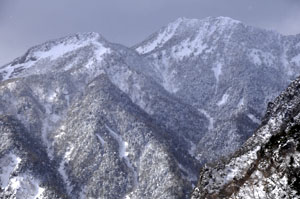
85, 118
267, 166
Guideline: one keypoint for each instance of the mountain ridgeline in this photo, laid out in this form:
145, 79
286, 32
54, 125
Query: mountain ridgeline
81, 117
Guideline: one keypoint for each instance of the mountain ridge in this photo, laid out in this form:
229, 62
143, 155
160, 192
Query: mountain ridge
151, 121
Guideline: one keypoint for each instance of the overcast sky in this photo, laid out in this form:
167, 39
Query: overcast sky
24, 23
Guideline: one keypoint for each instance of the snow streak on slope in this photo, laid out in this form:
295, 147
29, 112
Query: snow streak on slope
223, 101
253, 118
210, 119
65, 160
48, 124
217, 71
123, 154
100, 139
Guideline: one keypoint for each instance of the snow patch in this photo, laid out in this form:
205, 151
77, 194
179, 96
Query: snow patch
217, 71
100, 139
168, 81
223, 100
193, 148
25, 186
241, 103
100, 51
65, 160
254, 56
259, 57
187, 48
253, 118
58, 50
210, 119
167, 73
8, 164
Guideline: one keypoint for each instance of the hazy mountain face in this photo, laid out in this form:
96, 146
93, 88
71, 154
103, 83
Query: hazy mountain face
267, 166
84, 118
224, 69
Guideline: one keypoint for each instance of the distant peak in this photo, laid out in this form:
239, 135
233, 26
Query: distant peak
181, 26
53, 50
81, 38
90, 36
188, 21
226, 19
76, 40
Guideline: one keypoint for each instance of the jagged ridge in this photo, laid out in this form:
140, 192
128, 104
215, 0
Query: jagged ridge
267, 166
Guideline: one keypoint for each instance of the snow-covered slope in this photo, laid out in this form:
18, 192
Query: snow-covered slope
267, 166
116, 122
51, 56
225, 68
92, 102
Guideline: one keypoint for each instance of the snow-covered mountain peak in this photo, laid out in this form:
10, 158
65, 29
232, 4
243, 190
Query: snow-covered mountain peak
199, 23
37, 56
224, 20
187, 29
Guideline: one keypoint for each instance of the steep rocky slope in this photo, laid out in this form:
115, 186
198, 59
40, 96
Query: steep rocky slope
267, 166
224, 69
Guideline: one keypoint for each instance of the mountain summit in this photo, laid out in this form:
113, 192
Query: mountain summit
187, 29
225, 70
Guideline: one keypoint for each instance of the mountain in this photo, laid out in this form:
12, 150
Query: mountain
225, 69
95, 115
82, 117
267, 166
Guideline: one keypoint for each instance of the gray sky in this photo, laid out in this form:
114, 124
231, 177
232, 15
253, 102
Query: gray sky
24, 23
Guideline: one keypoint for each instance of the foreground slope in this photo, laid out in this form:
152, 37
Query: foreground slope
267, 166
224, 69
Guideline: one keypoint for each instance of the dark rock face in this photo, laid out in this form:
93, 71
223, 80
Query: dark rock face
84, 118
267, 166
